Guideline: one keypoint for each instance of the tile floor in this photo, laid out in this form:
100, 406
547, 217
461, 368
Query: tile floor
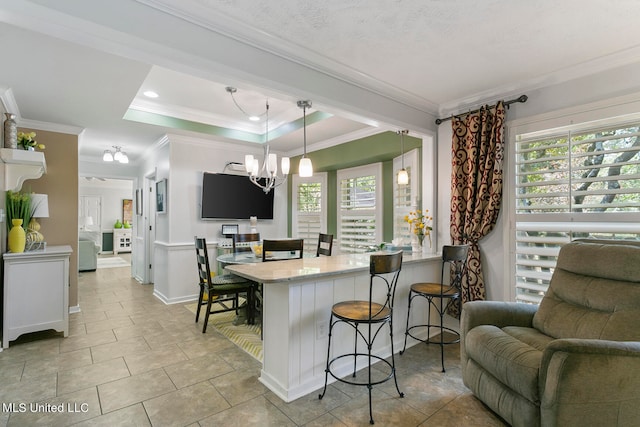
131, 360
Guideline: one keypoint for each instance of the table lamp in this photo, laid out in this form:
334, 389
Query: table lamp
40, 209
87, 222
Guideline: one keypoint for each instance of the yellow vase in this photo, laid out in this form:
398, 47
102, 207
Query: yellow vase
17, 237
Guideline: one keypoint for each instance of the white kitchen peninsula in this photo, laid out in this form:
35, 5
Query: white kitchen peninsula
36, 292
298, 296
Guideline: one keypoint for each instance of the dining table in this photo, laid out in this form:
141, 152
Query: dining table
248, 257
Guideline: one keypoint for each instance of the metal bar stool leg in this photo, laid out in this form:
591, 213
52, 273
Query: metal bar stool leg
442, 334
406, 329
326, 370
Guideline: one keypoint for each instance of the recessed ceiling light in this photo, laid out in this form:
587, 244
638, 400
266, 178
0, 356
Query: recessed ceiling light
150, 94
254, 118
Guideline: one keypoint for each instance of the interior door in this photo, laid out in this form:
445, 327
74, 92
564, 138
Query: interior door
90, 213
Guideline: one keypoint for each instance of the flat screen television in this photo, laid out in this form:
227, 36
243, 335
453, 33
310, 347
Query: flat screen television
227, 196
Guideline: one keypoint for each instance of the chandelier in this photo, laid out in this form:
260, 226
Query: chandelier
117, 155
265, 176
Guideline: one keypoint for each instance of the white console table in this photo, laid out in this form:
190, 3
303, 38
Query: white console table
36, 292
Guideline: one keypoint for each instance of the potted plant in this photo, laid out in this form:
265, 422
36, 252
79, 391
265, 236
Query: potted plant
18, 213
18, 207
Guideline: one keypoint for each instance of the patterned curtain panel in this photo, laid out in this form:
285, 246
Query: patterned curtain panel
476, 188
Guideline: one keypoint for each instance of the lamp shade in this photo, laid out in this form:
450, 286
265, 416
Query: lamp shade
40, 205
305, 168
107, 156
403, 177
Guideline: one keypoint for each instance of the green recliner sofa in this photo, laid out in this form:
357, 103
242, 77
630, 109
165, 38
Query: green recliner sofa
574, 360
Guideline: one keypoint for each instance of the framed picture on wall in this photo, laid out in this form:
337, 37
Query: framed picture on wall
161, 196
139, 201
127, 210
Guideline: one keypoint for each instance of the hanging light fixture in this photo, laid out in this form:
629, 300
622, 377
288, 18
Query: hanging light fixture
305, 168
269, 169
403, 176
118, 155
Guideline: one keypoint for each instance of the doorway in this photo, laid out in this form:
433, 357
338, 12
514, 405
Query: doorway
104, 215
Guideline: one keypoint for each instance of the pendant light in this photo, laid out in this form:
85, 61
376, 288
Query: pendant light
403, 175
305, 169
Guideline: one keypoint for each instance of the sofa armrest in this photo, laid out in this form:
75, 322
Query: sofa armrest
496, 313
590, 382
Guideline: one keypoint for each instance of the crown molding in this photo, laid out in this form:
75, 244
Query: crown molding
9, 101
348, 137
589, 68
51, 127
194, 12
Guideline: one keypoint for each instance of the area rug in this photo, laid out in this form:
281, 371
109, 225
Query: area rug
113, 262
247, 337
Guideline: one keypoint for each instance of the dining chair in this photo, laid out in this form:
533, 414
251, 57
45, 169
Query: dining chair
454, 262
325, 244
220, 290
373, 314
243, 238
284, 245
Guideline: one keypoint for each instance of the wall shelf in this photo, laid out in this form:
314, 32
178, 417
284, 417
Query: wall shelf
21, 165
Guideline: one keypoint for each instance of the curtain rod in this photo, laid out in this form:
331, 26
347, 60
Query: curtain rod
521, 98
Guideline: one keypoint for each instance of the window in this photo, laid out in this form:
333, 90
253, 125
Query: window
359, 208
309, 209
405, 197
581, 181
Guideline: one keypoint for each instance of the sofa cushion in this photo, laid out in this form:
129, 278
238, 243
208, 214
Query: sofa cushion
509, 359
584, 297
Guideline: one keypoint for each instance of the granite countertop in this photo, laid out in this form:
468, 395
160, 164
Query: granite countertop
311, 268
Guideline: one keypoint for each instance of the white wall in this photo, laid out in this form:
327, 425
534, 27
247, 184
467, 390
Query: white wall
182, 160
550, 101
191, 157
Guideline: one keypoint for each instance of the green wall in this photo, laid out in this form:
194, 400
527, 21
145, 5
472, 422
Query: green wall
383, 147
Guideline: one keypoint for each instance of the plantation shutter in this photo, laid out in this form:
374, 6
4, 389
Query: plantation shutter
405, 197
309, 209
359, 208
583, 182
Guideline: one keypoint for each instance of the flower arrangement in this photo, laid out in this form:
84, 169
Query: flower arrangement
28, 141
18, 207
420, 223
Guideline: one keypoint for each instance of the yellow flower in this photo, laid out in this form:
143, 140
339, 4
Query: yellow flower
41, 147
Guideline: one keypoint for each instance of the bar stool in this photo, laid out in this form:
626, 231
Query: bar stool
374, 315
454, 258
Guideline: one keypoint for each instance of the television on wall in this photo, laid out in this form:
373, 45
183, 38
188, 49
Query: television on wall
226, 196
